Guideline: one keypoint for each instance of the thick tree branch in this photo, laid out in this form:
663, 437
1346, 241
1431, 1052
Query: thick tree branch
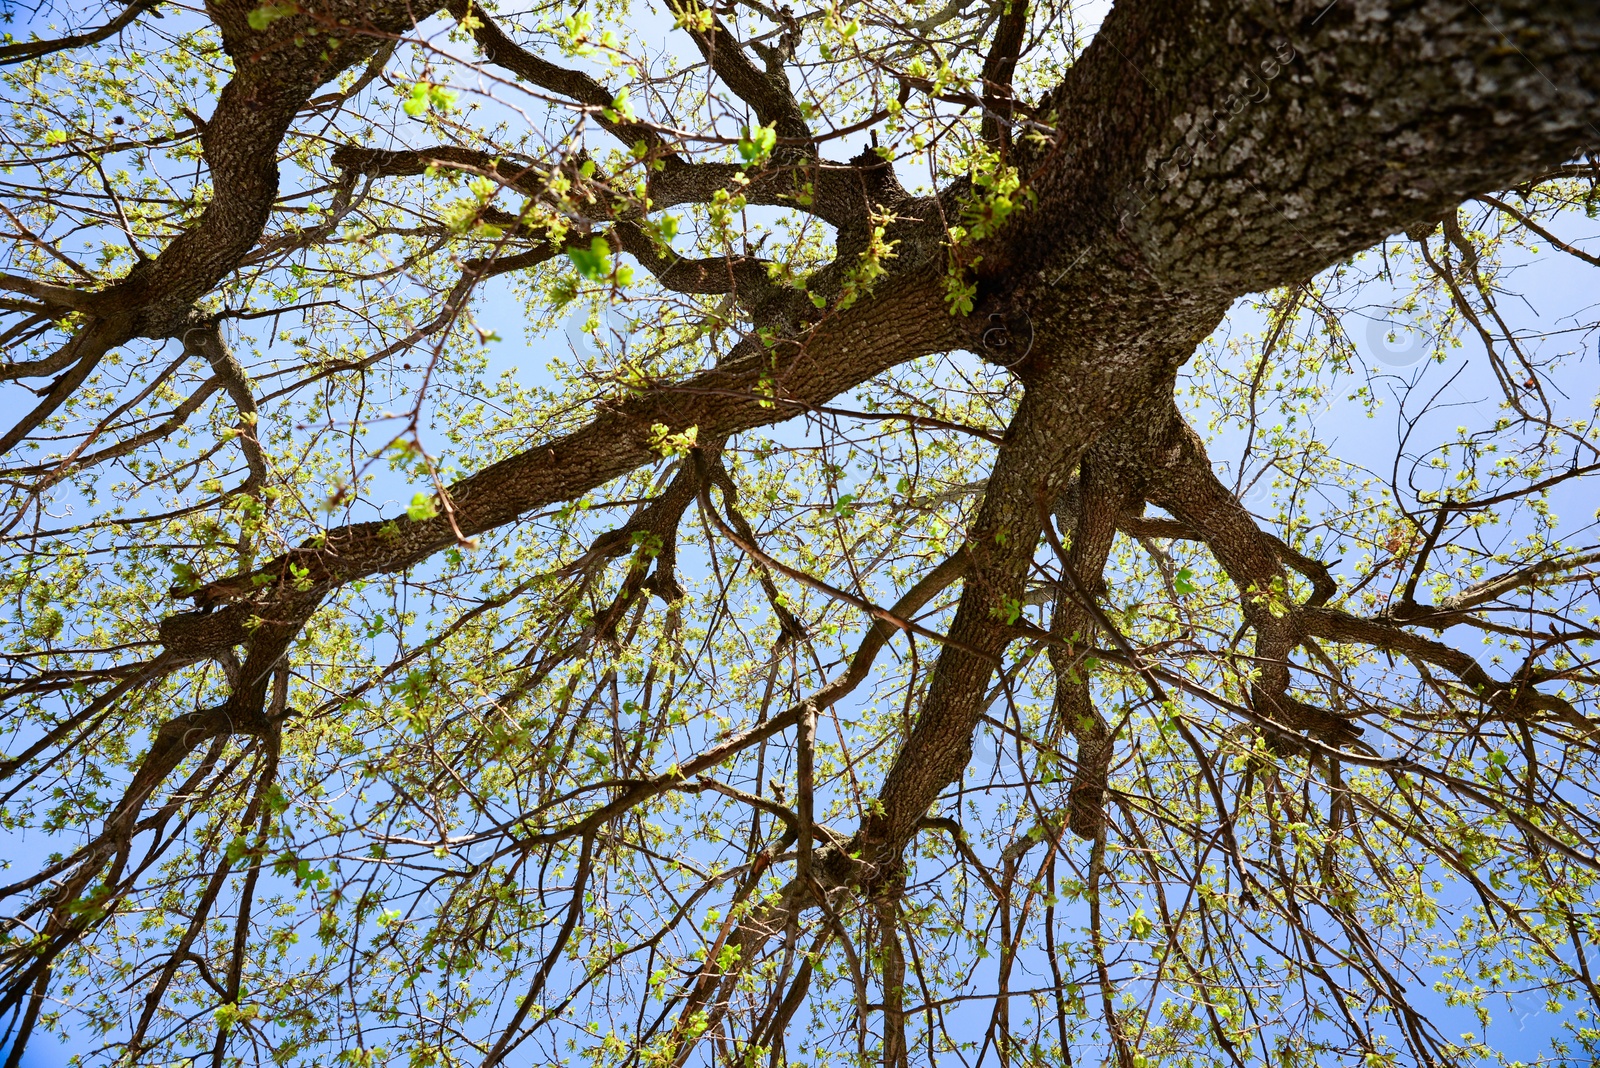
840, 353
272, 81
1105, 494
998, 68
765, 91
498, 48
21, 53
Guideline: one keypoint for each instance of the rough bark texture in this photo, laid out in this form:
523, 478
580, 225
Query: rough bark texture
1202, 151
1199, 151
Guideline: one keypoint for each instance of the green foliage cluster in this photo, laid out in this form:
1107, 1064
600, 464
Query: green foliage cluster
469, 827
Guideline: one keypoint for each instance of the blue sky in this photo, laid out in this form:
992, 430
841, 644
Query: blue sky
1555, 291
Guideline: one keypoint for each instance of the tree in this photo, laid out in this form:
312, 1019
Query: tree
641, 730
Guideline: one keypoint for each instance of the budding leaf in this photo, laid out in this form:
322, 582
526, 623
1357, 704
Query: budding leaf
594, 263
757, 143
267, 14
421, 507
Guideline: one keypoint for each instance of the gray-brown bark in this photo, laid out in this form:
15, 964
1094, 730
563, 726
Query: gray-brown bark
1152, 215
1200, 151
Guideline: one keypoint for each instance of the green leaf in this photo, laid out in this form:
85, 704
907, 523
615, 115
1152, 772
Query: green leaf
48, 624
1184, 582
421, 507
267, 14
417, 102
620, 109
757, 143
594, 263
440, 98
426, 95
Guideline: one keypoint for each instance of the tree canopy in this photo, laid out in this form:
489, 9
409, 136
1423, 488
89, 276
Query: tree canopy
999, 532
